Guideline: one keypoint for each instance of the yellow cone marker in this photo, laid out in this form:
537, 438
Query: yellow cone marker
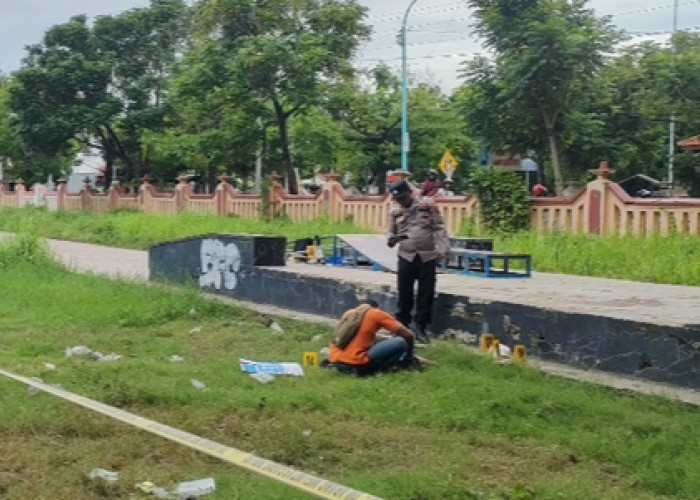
495, 349
310, 359
519, 354
485, 342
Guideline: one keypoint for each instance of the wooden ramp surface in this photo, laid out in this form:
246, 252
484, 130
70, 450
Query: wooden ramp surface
372, 246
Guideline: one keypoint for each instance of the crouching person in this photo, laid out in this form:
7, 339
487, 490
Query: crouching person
356, 350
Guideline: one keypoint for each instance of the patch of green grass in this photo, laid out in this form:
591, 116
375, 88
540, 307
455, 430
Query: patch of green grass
669, 259
465, 428
128, 229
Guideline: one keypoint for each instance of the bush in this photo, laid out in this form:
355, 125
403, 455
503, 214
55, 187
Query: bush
503, 200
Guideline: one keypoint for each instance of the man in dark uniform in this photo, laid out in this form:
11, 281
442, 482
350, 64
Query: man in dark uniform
419, 229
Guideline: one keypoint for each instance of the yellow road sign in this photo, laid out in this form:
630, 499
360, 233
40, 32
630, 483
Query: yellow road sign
448, 163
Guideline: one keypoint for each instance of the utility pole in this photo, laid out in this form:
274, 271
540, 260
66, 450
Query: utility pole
672, 124
405, 140
257, 186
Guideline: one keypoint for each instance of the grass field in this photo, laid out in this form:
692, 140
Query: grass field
465, 428
658, 259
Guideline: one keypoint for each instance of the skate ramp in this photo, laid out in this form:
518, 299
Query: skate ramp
372, 246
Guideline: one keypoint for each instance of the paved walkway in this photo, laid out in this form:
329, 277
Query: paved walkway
645, 302
659, 304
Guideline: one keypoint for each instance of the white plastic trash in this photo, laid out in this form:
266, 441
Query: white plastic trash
79, 350
198, 384
110, 357
195, 489
50, 366
276, 327
262, 377
504, 351
176, 359
105, 474
162, 493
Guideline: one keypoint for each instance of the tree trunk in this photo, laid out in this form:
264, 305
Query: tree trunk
554, 152
286, 152
257, 188
119, 149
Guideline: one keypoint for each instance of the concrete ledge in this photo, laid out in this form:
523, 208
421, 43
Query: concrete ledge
646, 350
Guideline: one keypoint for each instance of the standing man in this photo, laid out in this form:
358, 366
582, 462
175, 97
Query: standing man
418, 228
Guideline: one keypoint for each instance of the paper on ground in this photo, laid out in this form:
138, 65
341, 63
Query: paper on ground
273, 368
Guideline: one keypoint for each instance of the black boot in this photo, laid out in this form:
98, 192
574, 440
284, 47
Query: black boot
421, 334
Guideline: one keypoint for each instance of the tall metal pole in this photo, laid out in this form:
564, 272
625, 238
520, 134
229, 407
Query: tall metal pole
672, 124
405, 140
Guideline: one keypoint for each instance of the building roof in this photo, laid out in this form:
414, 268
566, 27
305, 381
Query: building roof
691, 143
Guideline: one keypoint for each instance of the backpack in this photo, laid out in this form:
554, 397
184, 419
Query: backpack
349, 325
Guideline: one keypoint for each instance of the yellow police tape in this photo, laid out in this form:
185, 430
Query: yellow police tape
297, 479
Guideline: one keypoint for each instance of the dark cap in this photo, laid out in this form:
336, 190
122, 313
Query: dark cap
400, 189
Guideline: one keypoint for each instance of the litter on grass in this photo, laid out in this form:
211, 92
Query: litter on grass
82, 350
262, 377
105, 474
156, 491
195, 489
272, 368
198, 384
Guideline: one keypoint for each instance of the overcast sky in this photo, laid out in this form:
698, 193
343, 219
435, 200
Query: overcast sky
438, 37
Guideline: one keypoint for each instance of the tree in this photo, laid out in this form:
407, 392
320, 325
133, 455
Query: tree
142, 45
205, 129
631, 103
284, 53
545, 54
319, 142
60, 97
96, 87
370, 116
10, 143
370, 109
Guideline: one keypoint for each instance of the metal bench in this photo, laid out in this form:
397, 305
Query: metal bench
493, 264
454, 259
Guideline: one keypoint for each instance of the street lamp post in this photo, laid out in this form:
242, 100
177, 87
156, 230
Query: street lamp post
672, 124
405, 141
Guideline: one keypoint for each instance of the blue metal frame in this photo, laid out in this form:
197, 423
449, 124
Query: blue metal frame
488, 258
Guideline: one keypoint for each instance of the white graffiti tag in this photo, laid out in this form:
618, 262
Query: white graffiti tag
220, 263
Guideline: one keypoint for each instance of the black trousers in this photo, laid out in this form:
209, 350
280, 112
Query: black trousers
408, 273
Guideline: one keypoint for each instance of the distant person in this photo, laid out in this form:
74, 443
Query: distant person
419, 230
447, 189
431, 186
539, 190
363, 355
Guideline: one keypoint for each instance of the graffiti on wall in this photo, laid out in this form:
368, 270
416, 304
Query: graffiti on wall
220, 263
